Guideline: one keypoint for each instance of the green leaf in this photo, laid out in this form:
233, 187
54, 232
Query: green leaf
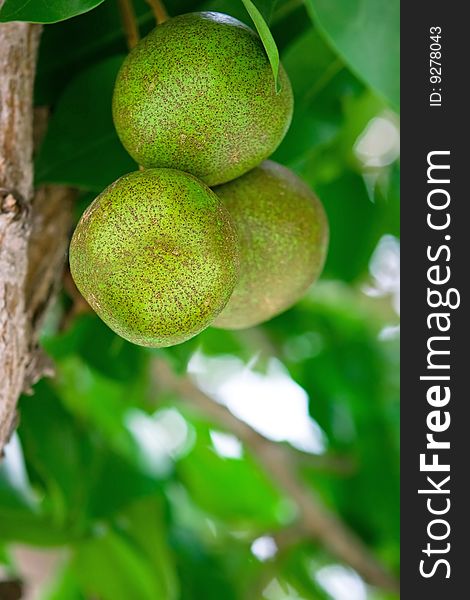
21, 514
58, 453
297, 569
69, 47
289, 21
101, 348
322, 86
15, 489
266, 8
365, 33
267, 39
202, 574
145, 524
79, 386
356, 222
83, 464
113, 568
118, 483
64, 587
45, 11
351, 378
220, 485
81, 147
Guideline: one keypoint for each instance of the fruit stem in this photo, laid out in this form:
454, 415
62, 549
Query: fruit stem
129, 22
159, 10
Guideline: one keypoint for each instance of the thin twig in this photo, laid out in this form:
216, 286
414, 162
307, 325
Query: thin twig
159, 10
129, 23
315, 519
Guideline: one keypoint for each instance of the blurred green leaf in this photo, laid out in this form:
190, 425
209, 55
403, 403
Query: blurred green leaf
44, 11
321, 86
64, 587
100, 348
356, 225
348, 372
212, 342
113, 568
81, 147
59, 455
297, 567
201, 573
243, 496
118, 483
72, 461
288, 22
365, 33
123, 471
14, 493
21, 515
266, 8
145, 522
80, 387
20, 510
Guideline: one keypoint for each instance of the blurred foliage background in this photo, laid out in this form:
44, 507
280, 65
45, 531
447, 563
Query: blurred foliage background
228, 466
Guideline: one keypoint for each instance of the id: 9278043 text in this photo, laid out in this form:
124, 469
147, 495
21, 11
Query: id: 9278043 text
435, 66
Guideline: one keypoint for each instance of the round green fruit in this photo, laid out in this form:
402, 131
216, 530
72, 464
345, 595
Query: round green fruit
197, 94
283, 235
156, 256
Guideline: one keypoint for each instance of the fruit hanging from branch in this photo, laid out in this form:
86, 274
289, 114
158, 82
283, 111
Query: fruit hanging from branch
156, 256
198, 94
283, 235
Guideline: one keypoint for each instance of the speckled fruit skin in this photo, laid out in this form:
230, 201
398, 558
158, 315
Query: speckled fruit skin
283, 235
156, 256
197, 94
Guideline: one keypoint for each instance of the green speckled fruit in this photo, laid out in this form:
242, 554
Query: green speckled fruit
283, 235
197, 94
156, 256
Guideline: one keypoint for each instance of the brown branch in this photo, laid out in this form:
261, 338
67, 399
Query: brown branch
18, 47
129, 22
159, 10
315, 519
329, 463
51, 221
33, 229
11, 589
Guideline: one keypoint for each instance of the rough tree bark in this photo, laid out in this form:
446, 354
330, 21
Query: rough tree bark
33, 228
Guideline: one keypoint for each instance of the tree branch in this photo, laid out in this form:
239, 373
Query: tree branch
18, 47
316, 520
33, 229
51, 220
159, 10
129, 23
